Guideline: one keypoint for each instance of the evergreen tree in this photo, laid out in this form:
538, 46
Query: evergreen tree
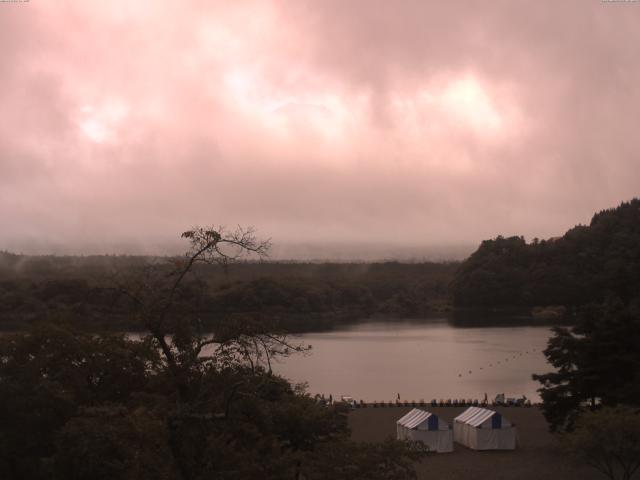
597, 362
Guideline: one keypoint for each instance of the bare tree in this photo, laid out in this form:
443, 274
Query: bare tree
157, 290
162, 302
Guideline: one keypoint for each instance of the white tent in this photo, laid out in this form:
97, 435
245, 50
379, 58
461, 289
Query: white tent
482, 429
427, 428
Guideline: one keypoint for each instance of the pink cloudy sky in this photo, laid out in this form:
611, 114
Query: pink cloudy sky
409, 123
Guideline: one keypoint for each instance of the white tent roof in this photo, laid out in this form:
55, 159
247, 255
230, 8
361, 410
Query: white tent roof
417, 417
480, 417
422, 426
476, 416
468, 413
414, 418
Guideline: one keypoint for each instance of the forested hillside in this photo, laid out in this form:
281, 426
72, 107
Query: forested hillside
299, 296
587, 264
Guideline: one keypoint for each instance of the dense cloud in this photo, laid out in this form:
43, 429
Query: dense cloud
362, 122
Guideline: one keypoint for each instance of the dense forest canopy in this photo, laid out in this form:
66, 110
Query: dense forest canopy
77, 404
587, 264
301, 296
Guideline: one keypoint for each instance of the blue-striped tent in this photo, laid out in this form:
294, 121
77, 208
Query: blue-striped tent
482, 429
427, 427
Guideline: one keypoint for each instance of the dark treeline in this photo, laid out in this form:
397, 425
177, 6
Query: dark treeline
300, 296
586, 265
178, 403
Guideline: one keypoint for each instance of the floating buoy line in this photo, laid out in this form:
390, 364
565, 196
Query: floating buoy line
514, 357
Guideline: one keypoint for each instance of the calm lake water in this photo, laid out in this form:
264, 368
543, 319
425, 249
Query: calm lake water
420, 360
376, 361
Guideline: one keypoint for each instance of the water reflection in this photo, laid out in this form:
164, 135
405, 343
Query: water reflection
421, 360
472, 318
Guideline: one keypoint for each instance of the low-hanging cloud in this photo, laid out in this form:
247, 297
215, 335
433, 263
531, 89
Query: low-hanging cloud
362, 122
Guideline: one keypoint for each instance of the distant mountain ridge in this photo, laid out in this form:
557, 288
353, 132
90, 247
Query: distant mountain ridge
587, 264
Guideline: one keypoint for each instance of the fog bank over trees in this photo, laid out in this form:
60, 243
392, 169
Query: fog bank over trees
280, 251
